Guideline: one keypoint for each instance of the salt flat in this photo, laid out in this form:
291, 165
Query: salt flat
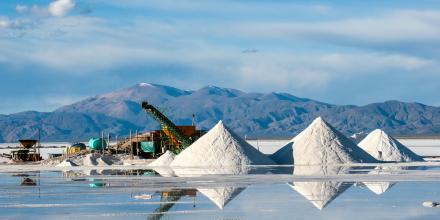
117, 193
424, 147
361, 191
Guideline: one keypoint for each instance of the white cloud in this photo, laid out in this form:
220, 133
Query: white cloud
82, 45
60, 8
4, 22
395, 27
21, 8
142, 42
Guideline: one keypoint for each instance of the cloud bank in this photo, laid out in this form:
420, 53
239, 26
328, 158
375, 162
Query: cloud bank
60, 8
310, 50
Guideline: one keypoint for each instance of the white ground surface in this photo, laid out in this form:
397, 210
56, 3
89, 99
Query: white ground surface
423, 147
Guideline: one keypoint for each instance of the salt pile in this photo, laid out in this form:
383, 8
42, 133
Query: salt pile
161, 164
321, 193
66, 163
284, 156
320, 143
221, 149
164, 160
384, 147
100, 160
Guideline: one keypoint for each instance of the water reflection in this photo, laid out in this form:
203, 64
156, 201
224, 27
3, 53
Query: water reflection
168, 199
381, 187
321, 193
220, 196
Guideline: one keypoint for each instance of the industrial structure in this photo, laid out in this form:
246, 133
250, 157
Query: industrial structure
149, 144
28, 151
154, 143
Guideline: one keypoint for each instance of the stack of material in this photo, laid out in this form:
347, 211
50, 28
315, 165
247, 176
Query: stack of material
385, 148
320, 143
163, 161
221, 149
162, 164
67, 163
100, 160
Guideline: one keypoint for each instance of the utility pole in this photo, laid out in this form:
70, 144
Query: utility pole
137, 143
108, 142
131, 147
117, 145
102, 141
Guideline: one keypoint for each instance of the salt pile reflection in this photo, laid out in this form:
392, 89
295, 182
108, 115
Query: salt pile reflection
321, 193
204, 192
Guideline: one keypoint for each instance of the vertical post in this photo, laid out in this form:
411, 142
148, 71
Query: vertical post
125, 141
108, 142
131, 147
102, 141
117, 144
137, 143
39, 141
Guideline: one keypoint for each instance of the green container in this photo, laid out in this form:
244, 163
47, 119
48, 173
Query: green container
148, 147
97, 144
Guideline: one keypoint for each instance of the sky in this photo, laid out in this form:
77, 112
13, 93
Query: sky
55, 52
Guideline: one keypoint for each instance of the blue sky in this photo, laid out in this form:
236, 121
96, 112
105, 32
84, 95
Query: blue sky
344, 52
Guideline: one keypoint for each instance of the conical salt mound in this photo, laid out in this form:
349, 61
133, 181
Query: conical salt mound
165, 160
162, 164
220, 148
221, 196
384, 147
66, 163
320, 143
284, 156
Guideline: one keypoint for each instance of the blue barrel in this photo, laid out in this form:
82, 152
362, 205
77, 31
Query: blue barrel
97, 144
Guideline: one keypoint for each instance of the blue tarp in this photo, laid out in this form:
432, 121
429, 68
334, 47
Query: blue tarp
148, 147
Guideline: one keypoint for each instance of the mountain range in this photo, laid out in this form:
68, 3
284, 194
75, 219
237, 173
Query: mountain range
249, 114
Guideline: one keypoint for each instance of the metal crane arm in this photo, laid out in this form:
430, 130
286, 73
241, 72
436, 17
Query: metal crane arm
165, 122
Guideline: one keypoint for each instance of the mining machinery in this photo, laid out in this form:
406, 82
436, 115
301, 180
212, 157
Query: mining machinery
172, 137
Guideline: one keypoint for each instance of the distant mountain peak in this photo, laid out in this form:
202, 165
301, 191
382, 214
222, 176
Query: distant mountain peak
215, 90
253, 114
142, 84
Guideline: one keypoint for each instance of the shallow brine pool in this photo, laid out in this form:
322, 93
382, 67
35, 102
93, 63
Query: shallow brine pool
316, 192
